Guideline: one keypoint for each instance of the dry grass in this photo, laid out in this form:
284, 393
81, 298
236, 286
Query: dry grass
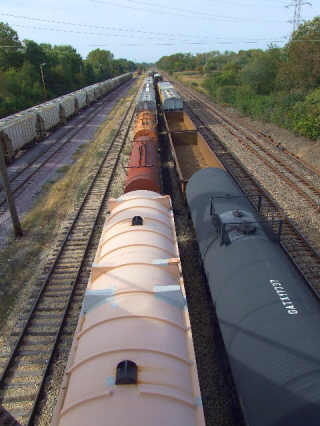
23, 259
192, 79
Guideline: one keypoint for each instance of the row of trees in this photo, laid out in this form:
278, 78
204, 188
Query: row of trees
64, 70
280, 85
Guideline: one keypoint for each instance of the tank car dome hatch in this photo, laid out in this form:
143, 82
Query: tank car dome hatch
137, 221
127, 373
235, 224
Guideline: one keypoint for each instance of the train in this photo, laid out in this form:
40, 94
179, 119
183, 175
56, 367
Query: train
144, 164
132, 360
268, 316
20, 129
169, 98
147, 99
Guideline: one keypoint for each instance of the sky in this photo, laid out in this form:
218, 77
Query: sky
145, 30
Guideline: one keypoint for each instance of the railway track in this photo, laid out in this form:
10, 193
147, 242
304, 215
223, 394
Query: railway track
289, 234
19, 177
298, 175
54, 309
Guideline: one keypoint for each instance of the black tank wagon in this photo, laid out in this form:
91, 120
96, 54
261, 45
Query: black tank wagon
269, 318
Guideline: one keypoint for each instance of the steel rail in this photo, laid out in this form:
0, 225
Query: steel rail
230, 126
257, 133
14, 352
296, 245
278, 160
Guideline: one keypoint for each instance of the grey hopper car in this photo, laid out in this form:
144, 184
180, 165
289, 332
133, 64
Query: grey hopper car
170, 99
147, 99
49, 114
148, 80
17, 130
268, 316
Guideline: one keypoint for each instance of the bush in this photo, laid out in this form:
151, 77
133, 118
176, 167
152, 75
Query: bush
284, 102
304, 121
226, 94
262, 107
210, 85
243, 101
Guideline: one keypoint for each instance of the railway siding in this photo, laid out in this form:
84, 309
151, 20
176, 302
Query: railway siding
38, 332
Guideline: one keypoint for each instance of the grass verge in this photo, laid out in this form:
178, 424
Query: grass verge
194, 80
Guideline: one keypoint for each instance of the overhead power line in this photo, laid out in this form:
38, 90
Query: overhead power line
130, 32
118, 29
104, 35
186, 43
186, 13
217, 40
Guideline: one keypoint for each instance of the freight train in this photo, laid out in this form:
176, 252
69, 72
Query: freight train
147, 98
144, 164
18, 130
169, 98
132, 361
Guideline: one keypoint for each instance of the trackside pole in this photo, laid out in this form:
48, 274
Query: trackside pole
5, 182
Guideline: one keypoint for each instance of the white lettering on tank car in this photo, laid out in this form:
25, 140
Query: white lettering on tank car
284, 297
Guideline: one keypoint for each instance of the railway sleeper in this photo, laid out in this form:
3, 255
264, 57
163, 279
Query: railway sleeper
48, 326
64, 285
35, 380
47, 309
60, 278
29, 343
18, 374
15, 395
67, 274
68, 258
50, 296
66, 265
19, 413
59, 298
46, 306
60, 290
6, 419
40, 354
35, 333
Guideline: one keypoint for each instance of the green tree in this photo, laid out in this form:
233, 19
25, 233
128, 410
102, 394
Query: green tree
10, 48
301, 67
101, 61
34, 53
261, 72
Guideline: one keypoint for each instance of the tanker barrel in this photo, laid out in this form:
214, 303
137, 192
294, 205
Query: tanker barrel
268, 316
